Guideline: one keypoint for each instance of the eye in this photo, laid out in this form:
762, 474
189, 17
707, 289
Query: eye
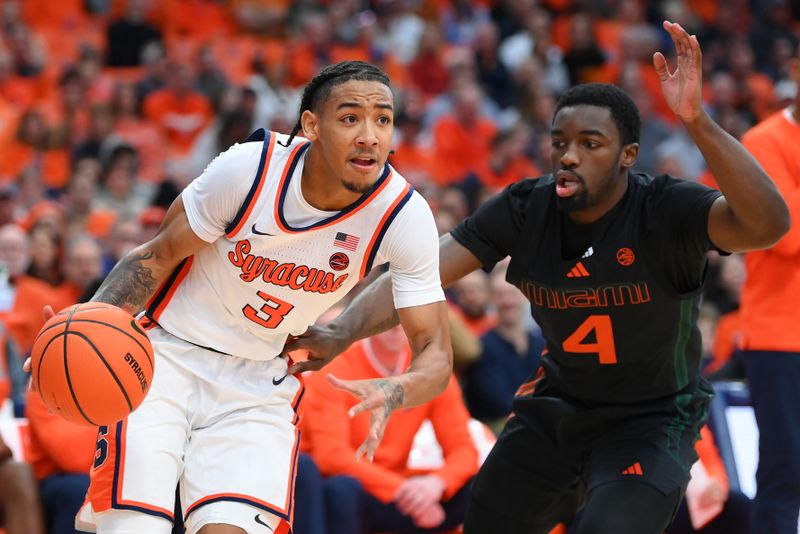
349, 119
384, 120
591, 145
557, 143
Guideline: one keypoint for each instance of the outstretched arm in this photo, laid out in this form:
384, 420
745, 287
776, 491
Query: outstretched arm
372, 312
752, 213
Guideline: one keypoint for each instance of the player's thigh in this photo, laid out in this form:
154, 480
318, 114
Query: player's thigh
242, 465
526, 478
628, 507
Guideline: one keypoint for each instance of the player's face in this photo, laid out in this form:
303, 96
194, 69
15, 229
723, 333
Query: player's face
588, 160
354, 132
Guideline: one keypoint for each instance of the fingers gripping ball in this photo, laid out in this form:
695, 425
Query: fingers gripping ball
92, 364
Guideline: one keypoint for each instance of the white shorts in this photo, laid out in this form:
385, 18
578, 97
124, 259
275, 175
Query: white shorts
222, 428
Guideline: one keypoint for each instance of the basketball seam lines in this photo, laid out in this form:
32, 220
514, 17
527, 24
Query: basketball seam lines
66, 368
105, 362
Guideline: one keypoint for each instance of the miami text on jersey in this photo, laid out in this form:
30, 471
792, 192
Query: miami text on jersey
586, 297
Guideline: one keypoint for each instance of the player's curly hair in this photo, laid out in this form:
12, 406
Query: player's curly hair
623, 111
320, 85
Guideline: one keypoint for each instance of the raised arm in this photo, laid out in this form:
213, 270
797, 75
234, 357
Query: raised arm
136, 276
751, 214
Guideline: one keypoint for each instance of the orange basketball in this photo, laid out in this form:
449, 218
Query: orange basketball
92, 364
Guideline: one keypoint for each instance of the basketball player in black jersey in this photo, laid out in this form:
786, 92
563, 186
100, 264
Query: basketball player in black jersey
613, 263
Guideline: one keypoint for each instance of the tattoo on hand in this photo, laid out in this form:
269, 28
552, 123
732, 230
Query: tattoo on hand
129, 284
394, 396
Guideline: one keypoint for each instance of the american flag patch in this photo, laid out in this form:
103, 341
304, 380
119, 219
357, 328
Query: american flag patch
346, 241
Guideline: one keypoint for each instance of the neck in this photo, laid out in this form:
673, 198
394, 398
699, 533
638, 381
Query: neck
320, 187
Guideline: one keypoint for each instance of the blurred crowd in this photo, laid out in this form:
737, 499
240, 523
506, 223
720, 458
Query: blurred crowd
108, 108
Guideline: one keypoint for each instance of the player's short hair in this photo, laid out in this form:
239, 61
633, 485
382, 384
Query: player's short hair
623, 111
320, 85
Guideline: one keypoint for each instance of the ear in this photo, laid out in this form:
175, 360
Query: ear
309, 124
629, 155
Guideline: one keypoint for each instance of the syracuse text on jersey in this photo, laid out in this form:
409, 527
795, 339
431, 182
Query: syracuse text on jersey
292, 275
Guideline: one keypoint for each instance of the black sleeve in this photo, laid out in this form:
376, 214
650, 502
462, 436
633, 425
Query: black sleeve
491, 232
680, 230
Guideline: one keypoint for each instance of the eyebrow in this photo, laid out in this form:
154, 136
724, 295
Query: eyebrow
357, 105
590, 131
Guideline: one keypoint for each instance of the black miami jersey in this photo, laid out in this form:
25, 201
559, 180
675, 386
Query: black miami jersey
617, 300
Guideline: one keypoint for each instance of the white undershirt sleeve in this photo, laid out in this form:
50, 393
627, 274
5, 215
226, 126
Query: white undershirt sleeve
212, 200
411, 246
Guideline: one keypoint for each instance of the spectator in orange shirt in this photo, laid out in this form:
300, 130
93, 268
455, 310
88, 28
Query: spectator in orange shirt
61, 455
463, 137
508, 162
392, 496
180, 110
770, 336
21, 297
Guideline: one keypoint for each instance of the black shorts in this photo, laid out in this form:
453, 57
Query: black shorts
554, 451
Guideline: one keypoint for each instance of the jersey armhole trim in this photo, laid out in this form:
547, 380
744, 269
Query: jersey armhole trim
383, 226
258, 184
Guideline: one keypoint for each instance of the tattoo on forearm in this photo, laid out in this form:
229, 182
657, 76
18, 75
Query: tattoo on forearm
129, 284
383, 326
394, 396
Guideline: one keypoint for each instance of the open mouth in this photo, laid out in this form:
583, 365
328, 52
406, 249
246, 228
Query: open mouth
567, 183
363, 162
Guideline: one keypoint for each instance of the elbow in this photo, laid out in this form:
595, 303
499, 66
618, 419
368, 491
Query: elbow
776, 226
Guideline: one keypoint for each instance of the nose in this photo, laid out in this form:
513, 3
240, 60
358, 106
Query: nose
569, 159
367, 136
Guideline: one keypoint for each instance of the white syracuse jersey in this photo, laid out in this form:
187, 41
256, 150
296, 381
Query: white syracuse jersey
280, 263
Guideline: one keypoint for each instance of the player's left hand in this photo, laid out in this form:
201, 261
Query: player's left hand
381, 396
683, 88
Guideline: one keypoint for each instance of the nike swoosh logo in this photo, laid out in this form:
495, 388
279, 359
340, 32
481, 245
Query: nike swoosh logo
260, 522
277, 381
260, 233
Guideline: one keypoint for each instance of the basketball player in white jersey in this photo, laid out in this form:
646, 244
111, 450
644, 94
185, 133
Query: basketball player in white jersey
274, 232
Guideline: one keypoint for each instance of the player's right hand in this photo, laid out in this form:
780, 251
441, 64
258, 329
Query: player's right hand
323, 344
379, 396
47, 313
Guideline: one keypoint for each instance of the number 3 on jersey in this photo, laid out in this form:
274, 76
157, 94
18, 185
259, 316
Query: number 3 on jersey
271, 313
603, 344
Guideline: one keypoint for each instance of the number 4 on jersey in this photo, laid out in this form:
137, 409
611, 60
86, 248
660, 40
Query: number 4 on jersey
603, 344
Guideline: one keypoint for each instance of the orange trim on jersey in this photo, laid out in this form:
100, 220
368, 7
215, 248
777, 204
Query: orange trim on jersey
261, 181
105, 490
380, 226
336, 220
529, 387
170, 290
